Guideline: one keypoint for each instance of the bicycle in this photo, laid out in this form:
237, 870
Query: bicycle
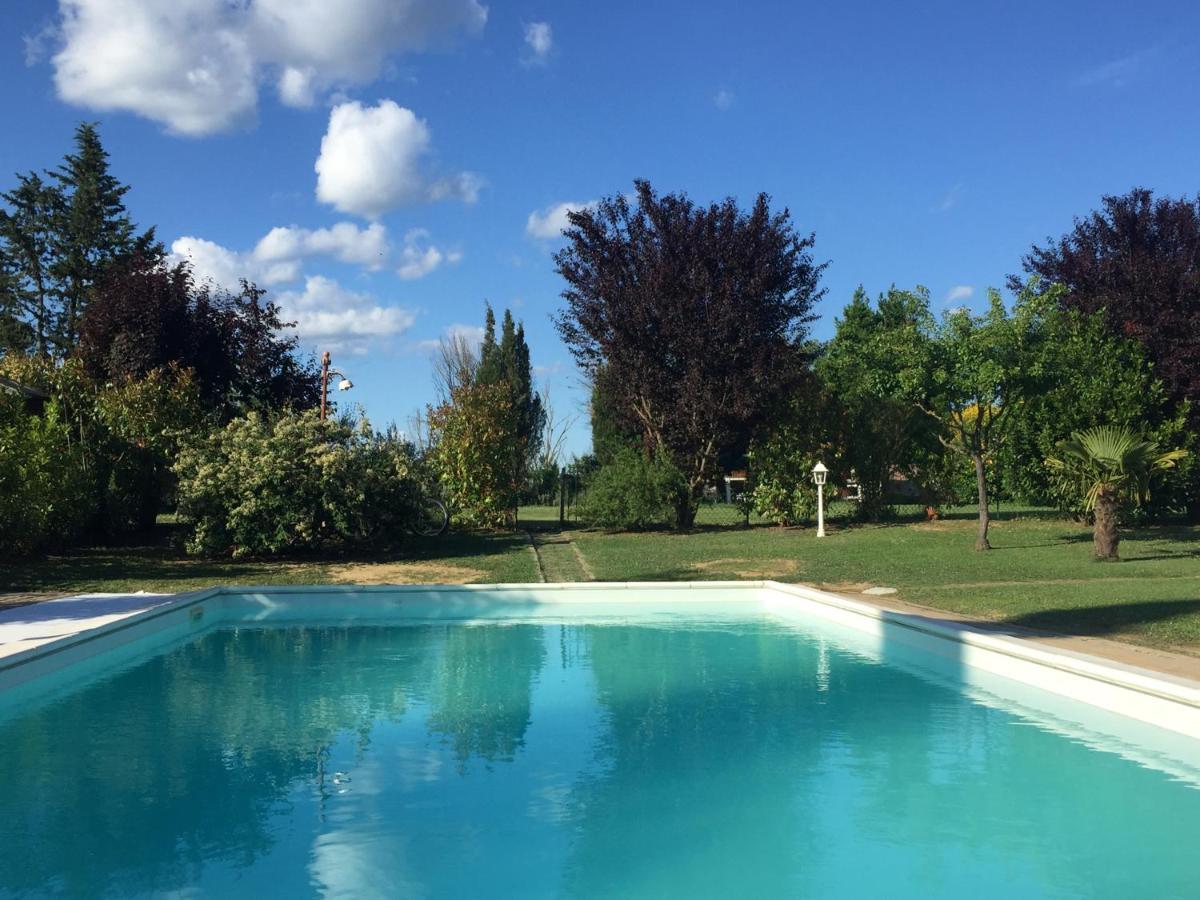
432, 518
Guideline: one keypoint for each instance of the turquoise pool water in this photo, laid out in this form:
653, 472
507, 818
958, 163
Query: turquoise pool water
713, 754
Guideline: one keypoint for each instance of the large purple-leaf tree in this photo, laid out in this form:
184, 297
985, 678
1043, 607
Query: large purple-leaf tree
697, 314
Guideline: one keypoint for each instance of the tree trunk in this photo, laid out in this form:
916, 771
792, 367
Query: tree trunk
981, 538
1105, 537
685, 511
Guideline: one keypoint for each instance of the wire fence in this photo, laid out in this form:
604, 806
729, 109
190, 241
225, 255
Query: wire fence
562, 511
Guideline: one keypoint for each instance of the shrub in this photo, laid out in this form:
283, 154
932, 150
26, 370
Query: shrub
265, 486
47, 493
783, 490
633, 492
143, 423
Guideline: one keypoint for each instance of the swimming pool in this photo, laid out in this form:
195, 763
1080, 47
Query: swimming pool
617, 742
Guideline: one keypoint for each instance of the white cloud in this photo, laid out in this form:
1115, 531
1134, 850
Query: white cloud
279, 255
951, 199
549, 223
418, 257
960, 292
225, 268
196, 65
337, 318
472, 334
539, 41
296, 87
1118, 73
723, 99
345, 242
372, 161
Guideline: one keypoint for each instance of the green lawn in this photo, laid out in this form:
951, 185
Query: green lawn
158, 567
1040, 574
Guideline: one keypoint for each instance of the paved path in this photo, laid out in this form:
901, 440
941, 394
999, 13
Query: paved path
8, 601
33, 624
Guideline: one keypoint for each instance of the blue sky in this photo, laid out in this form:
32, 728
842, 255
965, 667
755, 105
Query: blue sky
924, 143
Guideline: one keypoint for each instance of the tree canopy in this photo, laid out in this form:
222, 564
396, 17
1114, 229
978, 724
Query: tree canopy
1136, 261
696, 313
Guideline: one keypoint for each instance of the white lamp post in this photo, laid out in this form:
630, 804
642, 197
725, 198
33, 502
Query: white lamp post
819, 472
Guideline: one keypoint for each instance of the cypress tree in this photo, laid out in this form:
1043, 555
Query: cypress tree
507, 361
489, 371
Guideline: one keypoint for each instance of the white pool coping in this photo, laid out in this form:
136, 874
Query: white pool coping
51, 635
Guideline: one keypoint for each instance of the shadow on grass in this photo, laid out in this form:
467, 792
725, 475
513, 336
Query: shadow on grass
161, 561
1097, 621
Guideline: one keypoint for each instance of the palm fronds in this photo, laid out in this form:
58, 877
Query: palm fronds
1111, 459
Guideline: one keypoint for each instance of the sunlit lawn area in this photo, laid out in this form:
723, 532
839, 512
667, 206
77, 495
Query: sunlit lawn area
1040, 574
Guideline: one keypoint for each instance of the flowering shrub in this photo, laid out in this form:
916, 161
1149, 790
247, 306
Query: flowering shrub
269, 485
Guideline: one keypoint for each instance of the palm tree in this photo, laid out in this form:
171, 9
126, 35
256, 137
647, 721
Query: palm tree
1114, 466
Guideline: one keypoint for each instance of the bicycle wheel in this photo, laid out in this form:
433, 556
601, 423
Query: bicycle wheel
432, 518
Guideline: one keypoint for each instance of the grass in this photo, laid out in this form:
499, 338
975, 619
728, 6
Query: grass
1040, 574
157, 566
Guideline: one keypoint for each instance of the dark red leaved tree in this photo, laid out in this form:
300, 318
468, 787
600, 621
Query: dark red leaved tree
696, 314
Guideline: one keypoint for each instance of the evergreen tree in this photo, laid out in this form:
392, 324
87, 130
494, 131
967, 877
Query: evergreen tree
507, 362
92, 229
489, 352
27, 241
15, 334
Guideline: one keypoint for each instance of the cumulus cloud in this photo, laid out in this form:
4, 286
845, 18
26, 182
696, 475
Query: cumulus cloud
196, 65
372, 160
549, 223
539, 41
337, 318
418, 257
345, 242
959, 292
225, 268
278, 257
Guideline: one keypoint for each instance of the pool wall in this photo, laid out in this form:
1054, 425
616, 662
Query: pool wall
977, 656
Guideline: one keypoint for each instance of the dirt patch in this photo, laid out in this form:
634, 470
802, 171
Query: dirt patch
755, 569
946, 525
405, 573
844, 587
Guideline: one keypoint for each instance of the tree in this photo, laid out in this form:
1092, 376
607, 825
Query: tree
1113, 466
967, 373
27, 240
455, 364
1136, 261
472, 453
694, 313
978, 370
1094, 377
92, 229
507, 363
144, 315
883, 432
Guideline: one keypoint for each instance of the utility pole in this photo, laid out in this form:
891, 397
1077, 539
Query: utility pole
324, 381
